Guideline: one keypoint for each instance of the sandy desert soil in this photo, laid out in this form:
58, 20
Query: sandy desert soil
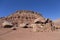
27, 34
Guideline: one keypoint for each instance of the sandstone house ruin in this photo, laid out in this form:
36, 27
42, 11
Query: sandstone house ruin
27, 19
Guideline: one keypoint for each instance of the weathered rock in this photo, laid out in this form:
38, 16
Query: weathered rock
22, 18
7, 24
38, 27
44, 26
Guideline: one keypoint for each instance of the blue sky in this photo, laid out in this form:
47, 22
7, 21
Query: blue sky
48, 8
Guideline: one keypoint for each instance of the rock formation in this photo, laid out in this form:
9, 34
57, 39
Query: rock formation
28, 19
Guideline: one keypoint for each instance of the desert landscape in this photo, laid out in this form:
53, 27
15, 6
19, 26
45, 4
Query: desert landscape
28, 25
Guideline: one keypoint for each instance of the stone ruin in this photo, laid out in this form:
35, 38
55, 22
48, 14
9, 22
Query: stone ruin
27, 19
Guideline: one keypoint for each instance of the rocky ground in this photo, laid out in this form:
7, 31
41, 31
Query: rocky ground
27, 34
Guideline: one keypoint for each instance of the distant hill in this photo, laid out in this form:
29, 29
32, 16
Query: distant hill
57, 23
57, 20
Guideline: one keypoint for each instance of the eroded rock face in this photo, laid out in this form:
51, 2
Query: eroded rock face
23, 17
7, 24
46, 26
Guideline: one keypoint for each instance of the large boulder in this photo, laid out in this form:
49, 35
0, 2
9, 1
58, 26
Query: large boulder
7, 24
